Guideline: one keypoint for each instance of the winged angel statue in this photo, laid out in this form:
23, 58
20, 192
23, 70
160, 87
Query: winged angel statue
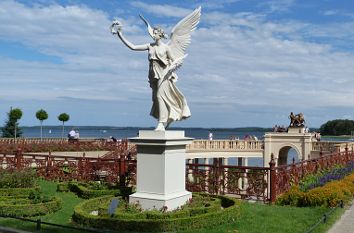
169, 104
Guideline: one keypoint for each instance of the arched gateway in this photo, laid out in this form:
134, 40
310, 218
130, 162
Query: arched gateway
279, 144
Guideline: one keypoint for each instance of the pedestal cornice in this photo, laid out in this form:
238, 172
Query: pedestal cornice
161, 138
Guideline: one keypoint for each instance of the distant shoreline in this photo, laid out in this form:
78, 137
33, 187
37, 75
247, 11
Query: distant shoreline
242, 129
221, 129
341, 136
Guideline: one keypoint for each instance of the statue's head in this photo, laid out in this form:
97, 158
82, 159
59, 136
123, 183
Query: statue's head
158, 33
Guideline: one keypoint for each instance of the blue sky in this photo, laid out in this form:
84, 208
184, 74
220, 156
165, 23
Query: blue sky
250, 62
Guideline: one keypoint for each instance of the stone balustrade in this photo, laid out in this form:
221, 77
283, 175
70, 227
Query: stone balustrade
332, 146
225, 145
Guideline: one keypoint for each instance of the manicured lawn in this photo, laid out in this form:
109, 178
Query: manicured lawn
261, 218
254, 217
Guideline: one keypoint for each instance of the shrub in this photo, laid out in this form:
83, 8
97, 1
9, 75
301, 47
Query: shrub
154, 220
25, 178
293, 197
85, 191
21, 208
18, 192
63, 187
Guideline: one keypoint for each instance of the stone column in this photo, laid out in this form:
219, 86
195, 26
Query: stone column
161, 169
239, 161
245, 180
207, 171
245, 161
225, 162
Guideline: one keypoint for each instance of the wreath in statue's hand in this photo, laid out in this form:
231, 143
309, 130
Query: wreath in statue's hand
116, 27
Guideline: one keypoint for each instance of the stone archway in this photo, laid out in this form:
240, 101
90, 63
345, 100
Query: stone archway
283, 155
279, 145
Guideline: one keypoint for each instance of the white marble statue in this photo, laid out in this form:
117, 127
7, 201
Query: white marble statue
169, 104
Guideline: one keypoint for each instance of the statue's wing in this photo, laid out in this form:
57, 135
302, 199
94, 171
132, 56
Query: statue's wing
181, 34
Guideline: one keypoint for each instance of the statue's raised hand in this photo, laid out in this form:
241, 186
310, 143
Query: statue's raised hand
116, 27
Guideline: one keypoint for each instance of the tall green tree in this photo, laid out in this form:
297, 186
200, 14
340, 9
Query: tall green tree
41, 115
11, 129
337, 127
63, 117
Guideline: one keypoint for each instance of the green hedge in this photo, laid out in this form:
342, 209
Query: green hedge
18, 192
14, 201
63, 187
204, 204
155, 221
27, 209
86, 193
25, 178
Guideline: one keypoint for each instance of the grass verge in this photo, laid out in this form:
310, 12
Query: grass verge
262, 218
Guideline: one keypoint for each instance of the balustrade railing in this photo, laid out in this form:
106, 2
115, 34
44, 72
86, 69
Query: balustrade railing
216, 178
257, 183
291, 174
225, 145
64, 168
324, 146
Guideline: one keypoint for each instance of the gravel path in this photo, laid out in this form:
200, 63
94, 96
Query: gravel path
346, 223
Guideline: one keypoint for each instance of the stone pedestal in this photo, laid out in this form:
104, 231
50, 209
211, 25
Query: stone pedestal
161, 169
295, 129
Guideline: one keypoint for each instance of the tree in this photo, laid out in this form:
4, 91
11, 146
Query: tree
11, 129
337, 127
41, 116
63, 117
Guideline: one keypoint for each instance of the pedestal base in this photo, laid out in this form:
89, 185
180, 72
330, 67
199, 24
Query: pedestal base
150, 201
295, 129
161, 169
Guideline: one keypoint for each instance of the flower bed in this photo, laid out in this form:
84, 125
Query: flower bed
204, 211
321, 178
328, 195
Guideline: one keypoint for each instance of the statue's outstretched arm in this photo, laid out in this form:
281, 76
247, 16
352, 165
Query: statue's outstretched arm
131, 45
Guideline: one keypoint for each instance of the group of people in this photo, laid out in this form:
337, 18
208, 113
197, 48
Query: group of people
232, 137
283, 129
280, 129
73, 135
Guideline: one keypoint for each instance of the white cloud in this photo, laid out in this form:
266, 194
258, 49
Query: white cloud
161, 10
237, 63
278, 5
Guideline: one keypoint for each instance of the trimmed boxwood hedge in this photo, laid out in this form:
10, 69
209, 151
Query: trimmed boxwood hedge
18, 192
87, 193
157, 221
63, 187
30, 209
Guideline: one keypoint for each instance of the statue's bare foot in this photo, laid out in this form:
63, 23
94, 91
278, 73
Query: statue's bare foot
160, 127
168, 123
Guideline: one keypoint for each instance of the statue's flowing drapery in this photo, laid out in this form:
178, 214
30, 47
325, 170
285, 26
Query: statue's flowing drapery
172, 105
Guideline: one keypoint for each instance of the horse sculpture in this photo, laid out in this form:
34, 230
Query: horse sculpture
297, 120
